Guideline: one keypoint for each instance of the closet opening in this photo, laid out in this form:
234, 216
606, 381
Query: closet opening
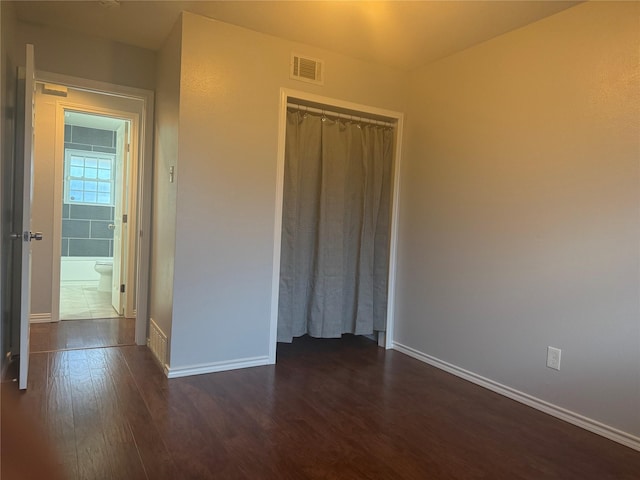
336, 229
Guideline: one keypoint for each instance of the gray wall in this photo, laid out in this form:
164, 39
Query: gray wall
229, 105
70, 53
164, 193
519, 211
43, 205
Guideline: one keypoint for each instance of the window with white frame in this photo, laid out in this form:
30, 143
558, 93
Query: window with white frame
89, 177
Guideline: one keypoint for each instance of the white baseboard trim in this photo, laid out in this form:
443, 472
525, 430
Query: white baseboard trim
216, 367
40, 318
574, 418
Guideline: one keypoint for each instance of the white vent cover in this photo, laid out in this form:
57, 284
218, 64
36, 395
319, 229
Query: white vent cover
157, 342
307, 69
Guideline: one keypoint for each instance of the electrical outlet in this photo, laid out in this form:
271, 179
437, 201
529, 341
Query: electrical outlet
553, 357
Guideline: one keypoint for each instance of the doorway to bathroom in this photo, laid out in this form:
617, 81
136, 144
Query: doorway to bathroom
87, 166
94, 215
64, 104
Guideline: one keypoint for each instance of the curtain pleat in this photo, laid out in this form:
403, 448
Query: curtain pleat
335, 228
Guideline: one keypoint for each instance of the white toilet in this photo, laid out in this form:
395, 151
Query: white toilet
105, 269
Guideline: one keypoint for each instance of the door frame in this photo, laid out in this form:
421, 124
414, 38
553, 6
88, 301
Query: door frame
129, 178
318, 101
140, 242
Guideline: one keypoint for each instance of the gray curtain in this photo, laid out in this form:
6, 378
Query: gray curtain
335, 227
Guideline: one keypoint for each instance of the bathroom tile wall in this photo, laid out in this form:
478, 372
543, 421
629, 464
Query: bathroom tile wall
85, 231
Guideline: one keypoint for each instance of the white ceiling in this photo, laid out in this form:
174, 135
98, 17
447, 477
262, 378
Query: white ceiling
404, 34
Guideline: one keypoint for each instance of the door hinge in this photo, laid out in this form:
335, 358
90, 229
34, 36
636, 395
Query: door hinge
124, 218
122, 288
128, 147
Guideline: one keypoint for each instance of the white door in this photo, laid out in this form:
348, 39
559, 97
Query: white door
23, 203
120, 226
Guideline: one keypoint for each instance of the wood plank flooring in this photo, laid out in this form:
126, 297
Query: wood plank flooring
329, 409
71, 334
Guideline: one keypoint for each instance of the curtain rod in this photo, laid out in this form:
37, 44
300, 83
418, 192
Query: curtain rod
345, 116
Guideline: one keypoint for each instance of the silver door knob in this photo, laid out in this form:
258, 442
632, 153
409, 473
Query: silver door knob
111, 226
35, 236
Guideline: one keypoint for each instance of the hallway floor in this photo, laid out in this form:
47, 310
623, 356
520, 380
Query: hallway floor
90, 333
330, 409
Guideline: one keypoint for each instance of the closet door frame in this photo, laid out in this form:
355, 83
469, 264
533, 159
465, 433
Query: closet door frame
385, 339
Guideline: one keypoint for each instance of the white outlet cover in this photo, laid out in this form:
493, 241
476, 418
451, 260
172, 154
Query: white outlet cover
553, 357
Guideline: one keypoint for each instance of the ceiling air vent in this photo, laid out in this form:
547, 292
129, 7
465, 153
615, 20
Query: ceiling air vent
307, 69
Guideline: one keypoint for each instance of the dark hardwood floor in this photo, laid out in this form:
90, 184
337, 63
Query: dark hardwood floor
90, 333
329, 409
